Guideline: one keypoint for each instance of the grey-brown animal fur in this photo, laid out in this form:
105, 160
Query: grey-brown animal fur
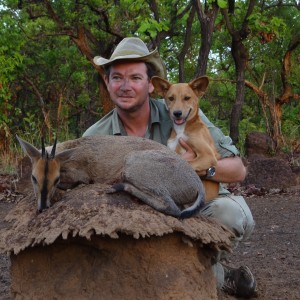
141, 167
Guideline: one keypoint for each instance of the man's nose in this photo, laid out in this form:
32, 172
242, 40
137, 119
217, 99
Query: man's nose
125, 84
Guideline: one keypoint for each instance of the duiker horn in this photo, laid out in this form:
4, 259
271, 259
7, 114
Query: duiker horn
44, 153
52, 155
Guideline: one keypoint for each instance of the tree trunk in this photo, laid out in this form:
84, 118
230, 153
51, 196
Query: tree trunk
207, 20
186, 45
82, 44
107, 104
240, 56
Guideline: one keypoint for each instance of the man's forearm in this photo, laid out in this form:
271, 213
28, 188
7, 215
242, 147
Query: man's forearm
230, 169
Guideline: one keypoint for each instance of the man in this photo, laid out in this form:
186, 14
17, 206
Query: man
128, 74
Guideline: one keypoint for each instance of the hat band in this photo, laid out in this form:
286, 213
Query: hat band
125, 57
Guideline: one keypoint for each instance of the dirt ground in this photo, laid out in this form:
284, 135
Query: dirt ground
272, 253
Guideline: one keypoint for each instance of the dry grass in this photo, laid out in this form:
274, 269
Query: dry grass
9, 162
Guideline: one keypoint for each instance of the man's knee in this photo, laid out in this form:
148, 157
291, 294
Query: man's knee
233, 212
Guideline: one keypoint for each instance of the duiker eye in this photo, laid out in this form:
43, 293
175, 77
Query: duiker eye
33, 179
56, 181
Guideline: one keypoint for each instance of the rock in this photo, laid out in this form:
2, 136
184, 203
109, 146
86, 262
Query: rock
270, 173
296, 171
258, 143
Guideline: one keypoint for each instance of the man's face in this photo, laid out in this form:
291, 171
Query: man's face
128, 85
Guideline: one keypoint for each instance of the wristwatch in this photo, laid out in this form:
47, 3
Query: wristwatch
210, 172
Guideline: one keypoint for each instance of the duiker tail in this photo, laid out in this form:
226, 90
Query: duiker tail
195, 208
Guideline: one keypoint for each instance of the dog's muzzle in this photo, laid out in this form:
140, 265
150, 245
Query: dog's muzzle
177, 117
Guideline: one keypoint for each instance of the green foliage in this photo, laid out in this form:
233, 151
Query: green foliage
11, 60
265, 23
291, 121
151, 27
222, 3
36, 48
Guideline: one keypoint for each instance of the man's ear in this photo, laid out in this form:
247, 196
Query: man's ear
106, 79
151, 87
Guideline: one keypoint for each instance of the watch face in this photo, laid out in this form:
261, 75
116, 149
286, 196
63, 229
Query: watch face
211, 172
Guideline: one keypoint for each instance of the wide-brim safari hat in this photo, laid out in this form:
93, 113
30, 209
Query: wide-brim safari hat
134, 49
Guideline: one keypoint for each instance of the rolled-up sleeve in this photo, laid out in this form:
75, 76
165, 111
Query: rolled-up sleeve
223, 143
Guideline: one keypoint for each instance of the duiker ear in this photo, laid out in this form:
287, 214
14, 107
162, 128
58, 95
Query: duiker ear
65, 155
30, 150
161, 86
199, 85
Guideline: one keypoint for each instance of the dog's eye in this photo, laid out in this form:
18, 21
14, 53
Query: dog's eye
171, 98
186, 98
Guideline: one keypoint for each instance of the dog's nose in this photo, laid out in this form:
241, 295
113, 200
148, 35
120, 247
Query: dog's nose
177, 113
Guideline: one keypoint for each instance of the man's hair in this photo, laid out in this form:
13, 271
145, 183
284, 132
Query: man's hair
150, 70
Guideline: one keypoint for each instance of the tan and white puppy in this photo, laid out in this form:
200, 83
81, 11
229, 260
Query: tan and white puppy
182, 100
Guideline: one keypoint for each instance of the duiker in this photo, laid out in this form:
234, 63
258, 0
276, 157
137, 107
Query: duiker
143, 168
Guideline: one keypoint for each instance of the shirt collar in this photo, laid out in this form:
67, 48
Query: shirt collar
154, 113
117, 126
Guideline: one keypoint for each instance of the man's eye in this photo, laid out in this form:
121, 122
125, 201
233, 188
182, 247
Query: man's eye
116, 78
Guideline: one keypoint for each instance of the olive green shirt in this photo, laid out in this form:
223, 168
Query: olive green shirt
159, 128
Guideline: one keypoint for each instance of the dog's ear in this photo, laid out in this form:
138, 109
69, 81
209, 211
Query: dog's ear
161, 86
199, 85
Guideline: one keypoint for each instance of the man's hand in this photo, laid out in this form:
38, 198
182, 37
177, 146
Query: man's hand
189, 155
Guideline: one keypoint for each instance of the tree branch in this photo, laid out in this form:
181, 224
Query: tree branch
287, 92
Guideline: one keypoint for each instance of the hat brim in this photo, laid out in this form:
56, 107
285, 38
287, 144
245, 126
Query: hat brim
152, 58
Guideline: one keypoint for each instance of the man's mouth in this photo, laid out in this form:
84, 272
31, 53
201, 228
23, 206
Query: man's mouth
125, 96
